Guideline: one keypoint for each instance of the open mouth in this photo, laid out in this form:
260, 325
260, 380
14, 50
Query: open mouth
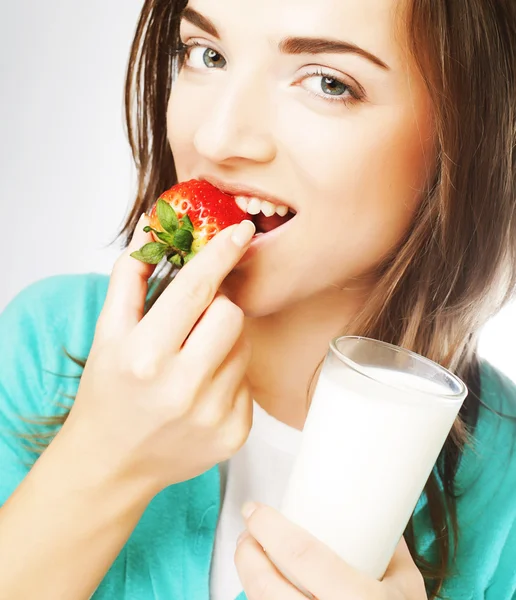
265, 215
265, 224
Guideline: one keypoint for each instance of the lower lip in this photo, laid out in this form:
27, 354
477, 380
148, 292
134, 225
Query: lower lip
262, 239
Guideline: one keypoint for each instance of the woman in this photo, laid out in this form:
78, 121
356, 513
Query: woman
389, 129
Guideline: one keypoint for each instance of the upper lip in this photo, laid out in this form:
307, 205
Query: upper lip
237, 189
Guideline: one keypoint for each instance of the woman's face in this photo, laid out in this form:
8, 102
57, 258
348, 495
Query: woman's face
344, 137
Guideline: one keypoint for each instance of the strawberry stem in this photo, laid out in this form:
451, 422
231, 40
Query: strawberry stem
175, 240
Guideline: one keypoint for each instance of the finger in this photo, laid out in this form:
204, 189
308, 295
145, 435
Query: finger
168, 323
232, 371
259, 577
214, 408
317, 568
402, 573
213, 337
235, 431
127, 290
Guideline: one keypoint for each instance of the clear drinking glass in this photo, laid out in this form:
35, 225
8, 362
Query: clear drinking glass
378, 420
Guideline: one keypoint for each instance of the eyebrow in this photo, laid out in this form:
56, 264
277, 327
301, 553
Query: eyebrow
293, 45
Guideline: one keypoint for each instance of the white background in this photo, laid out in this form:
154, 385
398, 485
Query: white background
66, 176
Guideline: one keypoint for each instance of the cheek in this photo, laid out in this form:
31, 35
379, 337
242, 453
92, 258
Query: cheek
182, 114
366, 174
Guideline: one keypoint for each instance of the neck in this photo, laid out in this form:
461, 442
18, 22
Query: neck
289, 346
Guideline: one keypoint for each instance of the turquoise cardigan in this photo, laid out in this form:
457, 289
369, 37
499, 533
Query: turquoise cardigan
168, 555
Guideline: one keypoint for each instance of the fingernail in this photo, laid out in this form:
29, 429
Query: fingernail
243, 234
244, 535
248, 509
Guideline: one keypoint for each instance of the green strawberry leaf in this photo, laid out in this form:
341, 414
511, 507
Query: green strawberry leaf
164, 236
167, 216
176, 260
139, 256
150, 253
183, 239
148, 229
186, 223
153, 249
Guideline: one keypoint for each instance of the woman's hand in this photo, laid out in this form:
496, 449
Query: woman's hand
164, 397
313, 565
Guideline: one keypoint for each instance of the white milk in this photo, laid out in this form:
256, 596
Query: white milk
366, 453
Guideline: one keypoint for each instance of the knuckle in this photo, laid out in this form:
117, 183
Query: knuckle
262, 587
300, 550
228, 312
235, 434
210, 415
235, 437
197, 291
236, 315
144, 369
180, 407
139, 366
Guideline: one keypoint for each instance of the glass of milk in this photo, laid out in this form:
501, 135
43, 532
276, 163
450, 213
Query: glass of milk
379, 417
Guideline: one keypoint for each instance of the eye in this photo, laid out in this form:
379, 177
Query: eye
330, 86
327, 87
199, 57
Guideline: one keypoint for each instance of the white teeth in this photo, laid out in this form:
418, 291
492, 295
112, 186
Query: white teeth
253, 206
268, 208
242, 202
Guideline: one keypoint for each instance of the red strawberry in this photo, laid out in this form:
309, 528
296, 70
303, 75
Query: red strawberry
184, 219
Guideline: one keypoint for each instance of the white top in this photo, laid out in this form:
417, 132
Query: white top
259, 471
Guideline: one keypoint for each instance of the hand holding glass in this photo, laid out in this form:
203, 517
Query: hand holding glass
378, 420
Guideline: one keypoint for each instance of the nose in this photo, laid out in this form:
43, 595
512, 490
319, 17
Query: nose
238, 124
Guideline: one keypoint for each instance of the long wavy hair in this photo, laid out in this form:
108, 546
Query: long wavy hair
456, 265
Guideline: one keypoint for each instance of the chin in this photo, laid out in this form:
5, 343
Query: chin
256, 297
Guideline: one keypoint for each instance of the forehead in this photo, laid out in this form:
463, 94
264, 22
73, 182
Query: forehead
372, 24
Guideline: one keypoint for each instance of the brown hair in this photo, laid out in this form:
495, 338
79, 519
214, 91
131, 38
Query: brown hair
456, 266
